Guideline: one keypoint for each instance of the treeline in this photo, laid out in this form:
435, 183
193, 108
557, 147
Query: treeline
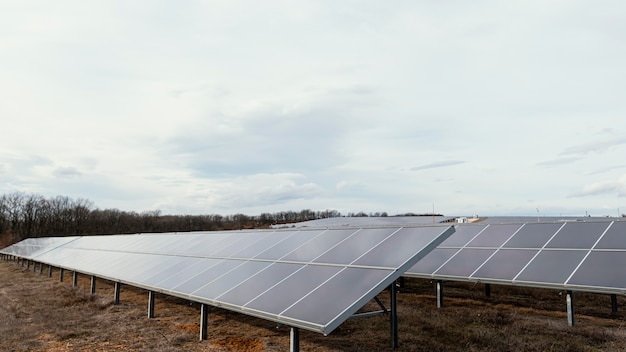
31, 215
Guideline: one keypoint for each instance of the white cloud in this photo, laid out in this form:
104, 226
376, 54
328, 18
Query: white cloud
239, 107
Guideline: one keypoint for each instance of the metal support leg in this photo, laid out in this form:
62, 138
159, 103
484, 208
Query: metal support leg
34, 267
40, 268
28, 265
150, 304
570, 308
614, 303
116, 294
294, 340
487, 290
93, 284
61, 275
439, 294
204, 321
75, 280
50, 271
393, 317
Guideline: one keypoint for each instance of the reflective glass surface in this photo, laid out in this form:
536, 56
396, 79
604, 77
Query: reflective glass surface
261, 282
462, 235
322, 243
432, 261
231, 279
345, 289
465, 262
602, 269
533, 235
578, 235
354, 246
551, 266
505, 264
399, 248
207, 276
494, 235
293, 288
614, 238
291, 243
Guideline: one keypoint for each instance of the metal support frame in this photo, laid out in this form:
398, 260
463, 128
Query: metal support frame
204, 321
487, 290
116, 293
50, 271
150, 304
614, 303
93, 284
61, 275
40, 268
393, 317
294, 340
34, 266
570, 308
75, 279
383, 310
439, 294
28, 265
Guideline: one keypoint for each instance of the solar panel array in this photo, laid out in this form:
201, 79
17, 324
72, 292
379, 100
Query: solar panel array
311, 279
582, 256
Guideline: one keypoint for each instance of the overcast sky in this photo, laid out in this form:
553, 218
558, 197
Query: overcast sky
224, 107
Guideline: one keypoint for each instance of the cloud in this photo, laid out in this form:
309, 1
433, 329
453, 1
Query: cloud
603, 188
597, 146
558, 162
437, 165
67, 172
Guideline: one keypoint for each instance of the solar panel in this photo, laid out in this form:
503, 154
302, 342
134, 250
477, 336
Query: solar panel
580, 256
312, 278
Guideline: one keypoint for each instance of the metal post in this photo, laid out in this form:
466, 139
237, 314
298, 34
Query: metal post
75, 279
150, 304
28, 265
34, 266
393, 317
614, 303
40, 268
294, 340
61, 275
116, 294
50, 271
439, 294
204, 321
487, 290
93, 284
570, 308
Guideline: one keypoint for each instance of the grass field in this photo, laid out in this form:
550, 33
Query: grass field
38, 313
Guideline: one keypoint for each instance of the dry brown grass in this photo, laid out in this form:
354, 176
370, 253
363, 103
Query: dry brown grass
38, 313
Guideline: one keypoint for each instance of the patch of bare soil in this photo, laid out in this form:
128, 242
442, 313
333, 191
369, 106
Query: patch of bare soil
40, 313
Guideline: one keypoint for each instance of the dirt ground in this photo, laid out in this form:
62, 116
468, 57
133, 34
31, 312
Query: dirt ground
40, 313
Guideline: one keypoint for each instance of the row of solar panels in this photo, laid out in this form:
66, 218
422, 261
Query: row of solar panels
581, 256
311, 279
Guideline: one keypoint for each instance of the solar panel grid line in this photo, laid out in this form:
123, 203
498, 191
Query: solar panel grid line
459, 250
199, 263
376, 245
264, 240
538, 252
335, 245
150, 263
208, 283
308, 294
288, 245
496, 251
589, 252
273, 286
359, 302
